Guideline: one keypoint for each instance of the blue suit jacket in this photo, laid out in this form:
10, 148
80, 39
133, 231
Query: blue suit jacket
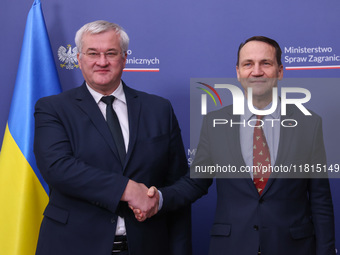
77, 157
292, 216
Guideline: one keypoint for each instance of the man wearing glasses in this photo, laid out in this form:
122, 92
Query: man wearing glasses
99, 147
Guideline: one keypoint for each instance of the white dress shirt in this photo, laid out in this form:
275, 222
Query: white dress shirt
271, 131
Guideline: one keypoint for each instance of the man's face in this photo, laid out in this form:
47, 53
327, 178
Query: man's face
259, 69
103, 74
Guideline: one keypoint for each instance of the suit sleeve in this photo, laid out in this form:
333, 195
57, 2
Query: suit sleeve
187, 190
179, 221
62, 170
179, 217
321, 199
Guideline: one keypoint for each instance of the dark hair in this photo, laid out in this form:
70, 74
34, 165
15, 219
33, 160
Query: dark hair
266, 40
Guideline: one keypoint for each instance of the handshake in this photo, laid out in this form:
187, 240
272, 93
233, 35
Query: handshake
141, 200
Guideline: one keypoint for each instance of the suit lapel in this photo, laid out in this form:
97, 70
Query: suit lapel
134, 108
87, 104
235, 141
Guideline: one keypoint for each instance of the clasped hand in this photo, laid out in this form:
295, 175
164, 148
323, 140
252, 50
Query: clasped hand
142, 201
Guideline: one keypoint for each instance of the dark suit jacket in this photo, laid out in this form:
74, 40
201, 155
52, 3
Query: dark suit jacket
76, 155
292, 216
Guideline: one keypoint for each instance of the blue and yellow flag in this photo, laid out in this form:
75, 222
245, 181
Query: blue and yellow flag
23, 192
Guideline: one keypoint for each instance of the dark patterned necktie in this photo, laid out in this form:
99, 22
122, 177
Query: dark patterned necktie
113, 123
261, 157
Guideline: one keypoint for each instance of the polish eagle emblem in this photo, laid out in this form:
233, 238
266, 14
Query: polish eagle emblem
68, 56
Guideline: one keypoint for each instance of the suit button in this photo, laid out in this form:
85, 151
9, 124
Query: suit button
256, 228
113, 220
261, 201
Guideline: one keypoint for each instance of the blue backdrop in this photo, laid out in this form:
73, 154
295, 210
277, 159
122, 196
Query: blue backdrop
173, 41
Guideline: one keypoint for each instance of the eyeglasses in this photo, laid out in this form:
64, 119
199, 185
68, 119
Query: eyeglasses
110, 55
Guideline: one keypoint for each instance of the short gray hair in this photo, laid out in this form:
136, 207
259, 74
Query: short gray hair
101, 26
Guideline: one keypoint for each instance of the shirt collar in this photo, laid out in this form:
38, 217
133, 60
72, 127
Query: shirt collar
275, 115
118, 93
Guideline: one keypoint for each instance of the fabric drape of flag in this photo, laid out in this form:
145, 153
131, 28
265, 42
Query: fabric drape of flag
23, 192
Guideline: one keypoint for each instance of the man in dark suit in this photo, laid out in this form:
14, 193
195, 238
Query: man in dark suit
96, 171
259, 212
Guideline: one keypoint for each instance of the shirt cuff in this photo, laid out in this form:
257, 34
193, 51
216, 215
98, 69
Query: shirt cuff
160, 202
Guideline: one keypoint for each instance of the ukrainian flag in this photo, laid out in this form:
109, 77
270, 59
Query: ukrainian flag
23, 192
